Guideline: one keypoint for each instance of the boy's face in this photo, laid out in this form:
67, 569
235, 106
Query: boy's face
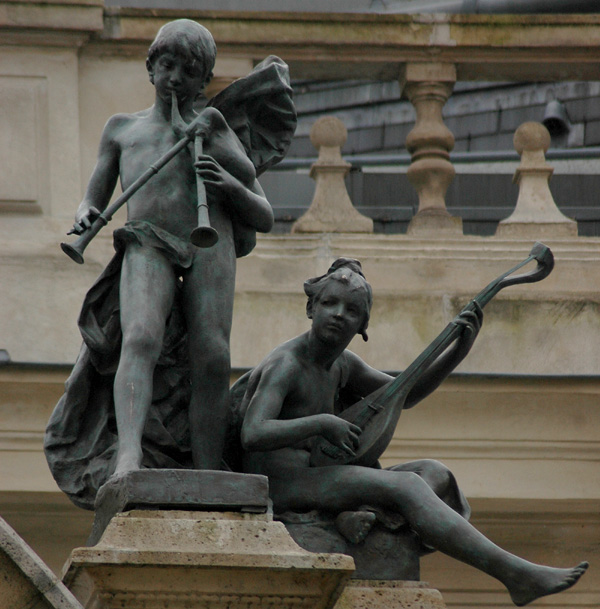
339, 313
178, 72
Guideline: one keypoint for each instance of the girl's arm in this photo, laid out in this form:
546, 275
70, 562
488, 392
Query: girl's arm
363, 379
434, 376
262, 430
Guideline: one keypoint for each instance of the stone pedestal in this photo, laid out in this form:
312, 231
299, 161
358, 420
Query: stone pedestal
178, 489
206, 560
377, 594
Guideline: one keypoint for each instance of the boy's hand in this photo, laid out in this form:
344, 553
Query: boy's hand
215, 178
340, 433
84, 220
205, 123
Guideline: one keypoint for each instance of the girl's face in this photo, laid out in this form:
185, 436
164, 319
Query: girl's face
338, 313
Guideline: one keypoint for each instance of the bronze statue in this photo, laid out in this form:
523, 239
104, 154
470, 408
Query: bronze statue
154, 368
289, 405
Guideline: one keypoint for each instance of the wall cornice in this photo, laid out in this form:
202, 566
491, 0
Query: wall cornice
338, 46
51, 23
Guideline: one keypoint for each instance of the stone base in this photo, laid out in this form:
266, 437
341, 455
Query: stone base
374, 594
346, 220
209, 560
383, 554
178, 489
434, 224
536, 230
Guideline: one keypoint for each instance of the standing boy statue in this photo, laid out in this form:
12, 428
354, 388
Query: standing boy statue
163, 299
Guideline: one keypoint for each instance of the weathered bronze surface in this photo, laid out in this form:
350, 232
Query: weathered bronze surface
291, 401
151, 385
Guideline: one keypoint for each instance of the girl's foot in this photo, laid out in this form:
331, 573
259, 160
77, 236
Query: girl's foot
540, 581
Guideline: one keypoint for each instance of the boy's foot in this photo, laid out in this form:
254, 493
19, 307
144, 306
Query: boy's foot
542, 581
355, 526
128, 462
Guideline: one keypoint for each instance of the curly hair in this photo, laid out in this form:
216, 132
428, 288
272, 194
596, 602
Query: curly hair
188, 38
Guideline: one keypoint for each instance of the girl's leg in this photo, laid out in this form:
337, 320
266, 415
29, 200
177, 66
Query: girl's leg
146, 297
439, 526
441, 481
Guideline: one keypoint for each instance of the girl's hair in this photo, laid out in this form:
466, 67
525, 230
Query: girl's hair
189, 38
346, 270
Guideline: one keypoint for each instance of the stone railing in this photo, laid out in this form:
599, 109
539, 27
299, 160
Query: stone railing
331, 211
428, 54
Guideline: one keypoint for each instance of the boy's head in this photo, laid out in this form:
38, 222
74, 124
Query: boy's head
189, 39
349, 272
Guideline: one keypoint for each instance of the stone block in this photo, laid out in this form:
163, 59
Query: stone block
180, 559
372, 594
23, 143
154, 489
385, 553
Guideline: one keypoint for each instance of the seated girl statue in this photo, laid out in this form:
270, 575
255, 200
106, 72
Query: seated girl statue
289, 405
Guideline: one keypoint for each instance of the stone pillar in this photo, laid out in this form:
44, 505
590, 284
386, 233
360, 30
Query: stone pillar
536, 215
428, 86
331, 210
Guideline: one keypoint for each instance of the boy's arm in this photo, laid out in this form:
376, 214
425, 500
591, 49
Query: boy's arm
262, 430
103, 179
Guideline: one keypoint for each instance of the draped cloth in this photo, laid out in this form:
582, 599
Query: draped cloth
81, 436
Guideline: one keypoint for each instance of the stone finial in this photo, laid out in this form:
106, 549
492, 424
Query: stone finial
536, 214
428, 86
331, 210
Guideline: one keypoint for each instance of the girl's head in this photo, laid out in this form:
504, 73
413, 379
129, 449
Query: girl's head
349, 272
186, 38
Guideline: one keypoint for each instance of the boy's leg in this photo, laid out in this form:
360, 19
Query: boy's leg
208, 304
146, 297
438, 525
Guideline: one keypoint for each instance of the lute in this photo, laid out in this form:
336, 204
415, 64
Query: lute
377, 414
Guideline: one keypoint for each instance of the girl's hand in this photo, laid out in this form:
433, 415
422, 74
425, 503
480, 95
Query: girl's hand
471, 323
340, 433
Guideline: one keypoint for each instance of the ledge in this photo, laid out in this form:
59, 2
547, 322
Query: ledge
49, 23
338, 45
